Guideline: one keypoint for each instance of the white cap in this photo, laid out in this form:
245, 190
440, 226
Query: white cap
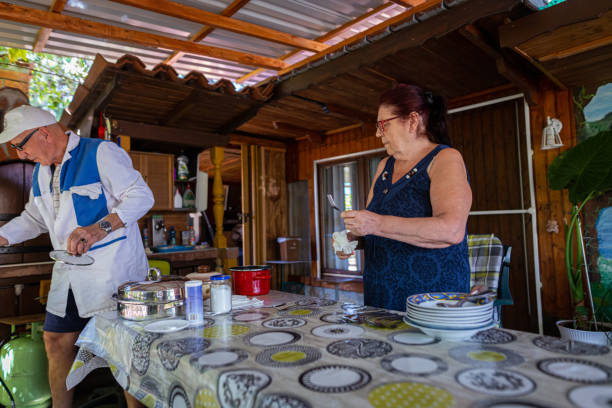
25, 117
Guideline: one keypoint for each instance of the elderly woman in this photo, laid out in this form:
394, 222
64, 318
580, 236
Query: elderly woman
415, 220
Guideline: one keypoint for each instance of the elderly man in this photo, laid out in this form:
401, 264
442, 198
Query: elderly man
87, 195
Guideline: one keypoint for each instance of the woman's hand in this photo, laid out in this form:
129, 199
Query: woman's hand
341, 254
362, 222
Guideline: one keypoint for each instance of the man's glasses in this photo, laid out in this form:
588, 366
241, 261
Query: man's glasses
20, 145
380, 125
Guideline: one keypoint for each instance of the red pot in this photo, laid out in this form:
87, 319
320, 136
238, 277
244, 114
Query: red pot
253, 280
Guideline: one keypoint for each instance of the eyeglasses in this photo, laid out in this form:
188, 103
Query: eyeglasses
24, 141
380, 125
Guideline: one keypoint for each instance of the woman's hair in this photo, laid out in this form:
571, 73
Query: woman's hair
405, 99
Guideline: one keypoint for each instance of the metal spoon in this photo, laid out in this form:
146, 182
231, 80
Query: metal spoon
330, 198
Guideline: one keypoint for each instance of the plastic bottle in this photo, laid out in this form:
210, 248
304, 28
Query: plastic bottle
188, 198
178, 199
145, 237
172, 236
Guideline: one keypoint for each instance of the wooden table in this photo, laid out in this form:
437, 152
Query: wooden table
303, 357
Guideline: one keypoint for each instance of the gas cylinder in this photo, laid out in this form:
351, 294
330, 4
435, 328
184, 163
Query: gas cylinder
24, 368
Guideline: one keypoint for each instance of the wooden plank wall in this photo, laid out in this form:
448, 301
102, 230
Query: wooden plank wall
552, 205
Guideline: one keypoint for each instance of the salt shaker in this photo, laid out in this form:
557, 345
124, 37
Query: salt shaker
220, 294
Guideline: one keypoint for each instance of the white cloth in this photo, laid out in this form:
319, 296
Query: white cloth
123, 259
341, 242
56, 188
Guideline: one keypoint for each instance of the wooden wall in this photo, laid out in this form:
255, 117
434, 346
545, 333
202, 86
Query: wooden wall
15, 78
552, 205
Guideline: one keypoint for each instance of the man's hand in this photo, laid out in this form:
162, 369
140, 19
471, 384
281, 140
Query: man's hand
83, 238
3, 241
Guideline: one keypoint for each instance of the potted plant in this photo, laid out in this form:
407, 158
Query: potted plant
585, 171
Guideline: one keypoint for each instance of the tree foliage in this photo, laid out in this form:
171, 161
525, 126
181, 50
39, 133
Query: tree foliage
54, 78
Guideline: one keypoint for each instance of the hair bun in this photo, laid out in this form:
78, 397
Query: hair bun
429, 98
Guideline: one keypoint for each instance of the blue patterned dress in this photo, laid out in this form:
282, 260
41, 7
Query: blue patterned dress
394, 269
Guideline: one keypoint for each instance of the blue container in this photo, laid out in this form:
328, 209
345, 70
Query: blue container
194, 310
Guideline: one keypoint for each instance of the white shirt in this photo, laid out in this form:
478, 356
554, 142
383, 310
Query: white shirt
119, 257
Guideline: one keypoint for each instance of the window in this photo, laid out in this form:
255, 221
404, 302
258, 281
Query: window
348, 180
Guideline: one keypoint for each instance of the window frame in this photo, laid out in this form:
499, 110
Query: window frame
362, 176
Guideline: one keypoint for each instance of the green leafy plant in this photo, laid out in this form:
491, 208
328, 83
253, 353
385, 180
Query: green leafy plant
585, 171
54, 78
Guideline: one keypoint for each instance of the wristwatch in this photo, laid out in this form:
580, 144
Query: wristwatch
105, 226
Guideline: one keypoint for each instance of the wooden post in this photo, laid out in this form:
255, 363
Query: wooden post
216, 155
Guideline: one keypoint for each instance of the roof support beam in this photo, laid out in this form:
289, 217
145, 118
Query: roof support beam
413, 36
326, 36
204, 31
181, 136
509, 71
408, 3
197, 15
43, 34
545, 21
56, 21
373, 30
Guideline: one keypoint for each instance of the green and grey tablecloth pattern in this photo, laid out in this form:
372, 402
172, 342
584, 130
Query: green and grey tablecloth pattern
304, 356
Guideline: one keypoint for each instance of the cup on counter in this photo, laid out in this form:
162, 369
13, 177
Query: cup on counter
194, 310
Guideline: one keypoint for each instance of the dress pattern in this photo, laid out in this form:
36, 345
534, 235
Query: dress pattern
395, 270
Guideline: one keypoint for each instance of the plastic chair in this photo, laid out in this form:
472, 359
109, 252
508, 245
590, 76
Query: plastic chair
164, 266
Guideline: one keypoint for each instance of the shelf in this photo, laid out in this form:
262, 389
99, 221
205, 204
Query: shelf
189, 180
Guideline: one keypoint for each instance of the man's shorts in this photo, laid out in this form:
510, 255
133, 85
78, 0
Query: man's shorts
72, 322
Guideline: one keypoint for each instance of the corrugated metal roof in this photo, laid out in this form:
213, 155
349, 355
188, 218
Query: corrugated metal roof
305, 18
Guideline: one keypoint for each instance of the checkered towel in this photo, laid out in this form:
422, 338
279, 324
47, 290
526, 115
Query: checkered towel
485, 254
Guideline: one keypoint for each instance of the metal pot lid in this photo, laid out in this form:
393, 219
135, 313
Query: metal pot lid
70, 259
167, 289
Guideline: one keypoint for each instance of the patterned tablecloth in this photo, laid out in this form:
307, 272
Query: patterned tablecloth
304, 357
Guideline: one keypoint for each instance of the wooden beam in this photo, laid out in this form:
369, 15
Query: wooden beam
407, 3
541, 68
56, 21
526, 84
182, 108
331, 34
413, 36
255, 140
204, 31
509, 71
242, 118
567, 52
174, 135
43, 34
197, 15
353, 39
544, 21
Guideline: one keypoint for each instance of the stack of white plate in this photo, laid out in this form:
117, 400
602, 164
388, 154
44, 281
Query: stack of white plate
448, 323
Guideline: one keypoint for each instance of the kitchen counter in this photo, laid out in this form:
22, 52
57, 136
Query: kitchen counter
195, 254
26, 270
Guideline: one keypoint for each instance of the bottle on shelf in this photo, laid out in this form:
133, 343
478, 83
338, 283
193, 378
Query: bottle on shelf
178, 199
145, 237
188, 198
172, 236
